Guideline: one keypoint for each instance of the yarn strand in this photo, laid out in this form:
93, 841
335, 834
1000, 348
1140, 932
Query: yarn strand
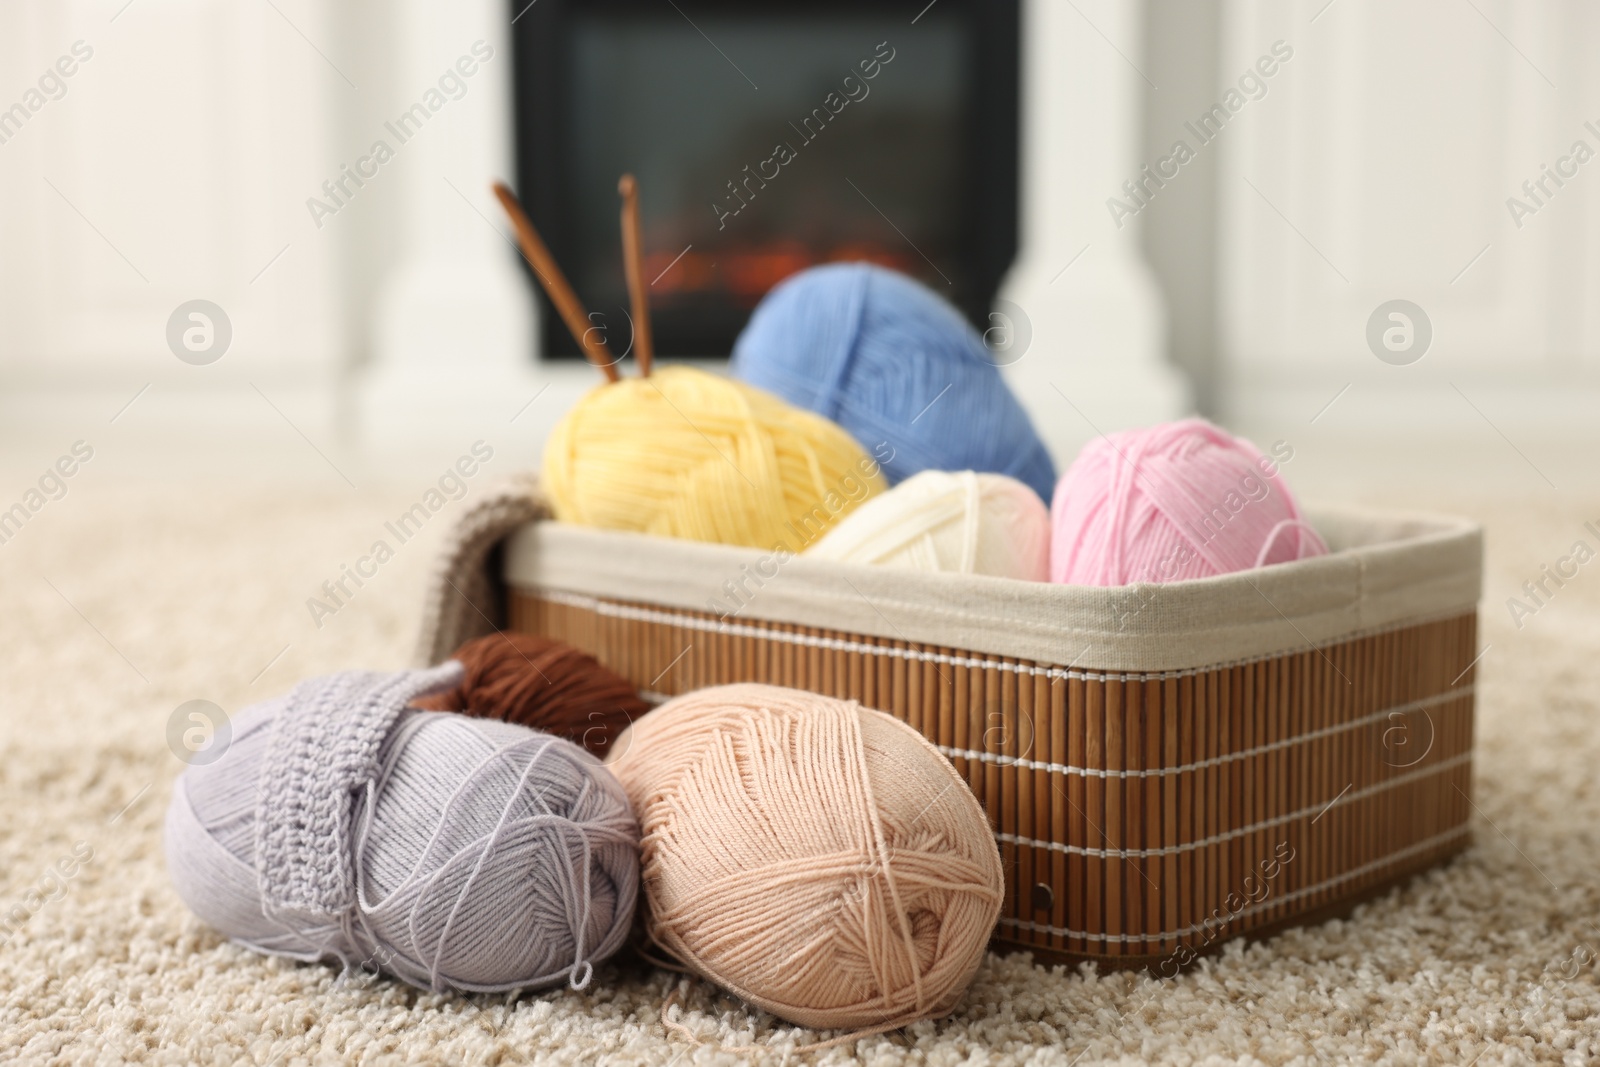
882, 868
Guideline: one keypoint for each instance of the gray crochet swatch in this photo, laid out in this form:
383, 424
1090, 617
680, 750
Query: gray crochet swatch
324, 750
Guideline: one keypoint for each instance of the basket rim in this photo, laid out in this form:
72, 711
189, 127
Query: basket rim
1386, 569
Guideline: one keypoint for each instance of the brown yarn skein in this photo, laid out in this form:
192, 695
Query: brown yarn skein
542, 683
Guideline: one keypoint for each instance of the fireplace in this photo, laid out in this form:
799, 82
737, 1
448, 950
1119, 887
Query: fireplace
765, 138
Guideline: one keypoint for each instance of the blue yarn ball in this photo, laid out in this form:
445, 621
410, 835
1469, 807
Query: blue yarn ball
871, 349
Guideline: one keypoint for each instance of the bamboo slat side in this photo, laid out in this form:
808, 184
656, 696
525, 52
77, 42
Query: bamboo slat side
1141, 819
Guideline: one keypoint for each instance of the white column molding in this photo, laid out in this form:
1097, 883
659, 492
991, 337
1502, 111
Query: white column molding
1096, 313
453, 325
170, 165
1352, 186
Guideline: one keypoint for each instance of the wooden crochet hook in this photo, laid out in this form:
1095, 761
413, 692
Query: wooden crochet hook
555, 284
633, 267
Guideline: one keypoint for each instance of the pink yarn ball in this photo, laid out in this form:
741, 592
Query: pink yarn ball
1176, 501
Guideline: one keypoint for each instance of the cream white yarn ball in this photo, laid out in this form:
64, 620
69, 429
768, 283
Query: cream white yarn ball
958, 522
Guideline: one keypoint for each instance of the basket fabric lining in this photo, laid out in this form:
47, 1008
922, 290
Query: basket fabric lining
688, 620
1387, 571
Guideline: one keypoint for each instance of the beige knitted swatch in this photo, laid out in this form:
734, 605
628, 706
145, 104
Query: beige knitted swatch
465, 596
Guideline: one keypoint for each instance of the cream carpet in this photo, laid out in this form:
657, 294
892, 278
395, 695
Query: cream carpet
121, 603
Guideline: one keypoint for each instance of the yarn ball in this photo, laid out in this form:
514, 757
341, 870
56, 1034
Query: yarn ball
451, 852
818, 859
961, 522
897, 366
685, 453
1172, 502
542, 683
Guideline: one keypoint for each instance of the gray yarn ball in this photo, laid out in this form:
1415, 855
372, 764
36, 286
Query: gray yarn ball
448, 851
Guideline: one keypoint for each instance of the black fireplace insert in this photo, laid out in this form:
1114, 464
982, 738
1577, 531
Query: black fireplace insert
766, 138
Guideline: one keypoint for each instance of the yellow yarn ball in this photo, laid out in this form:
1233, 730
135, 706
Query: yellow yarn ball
685, 453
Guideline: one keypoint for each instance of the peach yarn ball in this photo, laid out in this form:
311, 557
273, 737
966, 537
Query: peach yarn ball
819, 859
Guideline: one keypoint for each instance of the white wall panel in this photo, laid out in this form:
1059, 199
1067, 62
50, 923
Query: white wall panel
1391, 144
186, 146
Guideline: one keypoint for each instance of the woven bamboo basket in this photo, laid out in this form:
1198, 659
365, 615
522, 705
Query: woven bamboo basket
1165, 767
